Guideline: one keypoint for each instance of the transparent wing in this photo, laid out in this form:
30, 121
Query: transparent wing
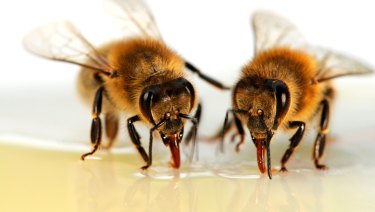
272, 31
134, 16
333, 65
61, 41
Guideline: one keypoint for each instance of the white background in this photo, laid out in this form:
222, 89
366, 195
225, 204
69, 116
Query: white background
215, 35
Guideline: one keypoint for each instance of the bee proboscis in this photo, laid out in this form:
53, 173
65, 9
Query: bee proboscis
284, 87
138, 75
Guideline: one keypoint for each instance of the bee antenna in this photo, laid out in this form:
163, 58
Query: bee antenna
156, 126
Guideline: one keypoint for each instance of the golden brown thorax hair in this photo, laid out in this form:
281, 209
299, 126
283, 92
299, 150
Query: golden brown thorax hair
140, 62
297, 70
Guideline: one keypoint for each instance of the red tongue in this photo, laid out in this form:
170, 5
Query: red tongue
260, 154
174, 146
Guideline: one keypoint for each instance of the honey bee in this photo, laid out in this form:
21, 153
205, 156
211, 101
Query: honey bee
285, 86
139, 75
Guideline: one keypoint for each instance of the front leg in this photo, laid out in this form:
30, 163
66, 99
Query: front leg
192, 132
240, 131
320, 140
135, 138
96, 125
239, 127
294, 142
149, 161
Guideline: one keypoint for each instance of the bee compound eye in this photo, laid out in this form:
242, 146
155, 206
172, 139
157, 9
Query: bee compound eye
146, 96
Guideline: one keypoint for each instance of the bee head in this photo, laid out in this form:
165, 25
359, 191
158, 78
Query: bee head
265, 103
166, 106
166, 101
262, 104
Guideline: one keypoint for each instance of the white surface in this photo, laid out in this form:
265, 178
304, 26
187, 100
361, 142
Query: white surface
41, 144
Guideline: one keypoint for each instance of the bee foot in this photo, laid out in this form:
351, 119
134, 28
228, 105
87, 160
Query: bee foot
145, 167
283, 169
238, 148
321, 167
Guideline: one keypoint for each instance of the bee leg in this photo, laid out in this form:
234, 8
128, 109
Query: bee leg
96, 126
208, 79
222, 131
226, 128
135, 138
294, 142
149, 161
192, 134
192, 130
241, 132
320, 140
111, 128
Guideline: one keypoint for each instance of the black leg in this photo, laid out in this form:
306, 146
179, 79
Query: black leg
294, 142
111, 128
221, 132
135, 138
149, 161
192, 134
241, 132
320, 140
224, 131
239, 127
205, 77
96, 126
192, 131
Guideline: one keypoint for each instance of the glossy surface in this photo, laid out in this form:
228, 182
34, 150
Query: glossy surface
40, 167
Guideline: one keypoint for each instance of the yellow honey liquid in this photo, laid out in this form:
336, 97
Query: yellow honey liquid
41, 170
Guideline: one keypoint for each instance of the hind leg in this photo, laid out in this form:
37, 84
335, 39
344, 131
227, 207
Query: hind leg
320, 140
111, 128
96, 126
294, 142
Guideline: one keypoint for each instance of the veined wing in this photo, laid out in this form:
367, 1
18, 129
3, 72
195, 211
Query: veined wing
61, 41
272, 31
333, 65
134, 16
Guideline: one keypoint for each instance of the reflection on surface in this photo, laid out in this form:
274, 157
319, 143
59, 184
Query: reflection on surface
48, 180
41, 171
